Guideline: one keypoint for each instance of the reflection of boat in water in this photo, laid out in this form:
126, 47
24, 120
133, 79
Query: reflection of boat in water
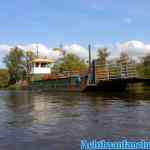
98, 77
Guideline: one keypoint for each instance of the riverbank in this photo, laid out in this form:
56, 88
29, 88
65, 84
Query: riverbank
21, 85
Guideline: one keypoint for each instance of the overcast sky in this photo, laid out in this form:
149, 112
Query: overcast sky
118, 24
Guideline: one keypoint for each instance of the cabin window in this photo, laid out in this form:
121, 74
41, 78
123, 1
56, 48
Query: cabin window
43, 64
37, 65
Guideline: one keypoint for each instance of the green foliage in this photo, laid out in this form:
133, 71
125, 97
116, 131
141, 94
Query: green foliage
18, 64
14, 87
4, 76
102, 55
115, 71
144, 67
13, 60
146, 61
28, 58
70, 62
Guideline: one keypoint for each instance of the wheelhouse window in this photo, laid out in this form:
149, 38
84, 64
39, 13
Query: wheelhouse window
43, 65
37, 65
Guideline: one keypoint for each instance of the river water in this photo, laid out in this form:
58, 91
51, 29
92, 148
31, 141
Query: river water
58, 121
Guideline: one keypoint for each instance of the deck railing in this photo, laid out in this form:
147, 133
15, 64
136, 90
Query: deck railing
115, 71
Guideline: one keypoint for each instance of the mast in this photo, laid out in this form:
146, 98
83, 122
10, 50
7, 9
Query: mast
89, 48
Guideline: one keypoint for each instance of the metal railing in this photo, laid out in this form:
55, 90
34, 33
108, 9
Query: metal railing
115, 71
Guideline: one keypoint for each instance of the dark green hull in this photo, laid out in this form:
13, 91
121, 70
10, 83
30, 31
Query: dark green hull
62, 84
74, 85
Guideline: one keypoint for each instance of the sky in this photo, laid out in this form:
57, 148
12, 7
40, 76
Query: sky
75, 23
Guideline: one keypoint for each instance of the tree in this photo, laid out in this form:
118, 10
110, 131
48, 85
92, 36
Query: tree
29, 57
70, 62
143, 67
4, 76
146, 61
146, 66
103, 55
13, 60
124, 58
19, 64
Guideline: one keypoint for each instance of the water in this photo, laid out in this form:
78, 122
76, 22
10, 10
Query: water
58, 121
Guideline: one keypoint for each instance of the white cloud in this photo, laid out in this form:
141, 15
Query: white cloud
4, 49
128, 20
135, 49
44, 51
50, 53
77, 50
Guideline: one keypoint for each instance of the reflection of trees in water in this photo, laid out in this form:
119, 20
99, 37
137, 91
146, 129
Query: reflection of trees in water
19, 106
40, 109
16, 99
26, 108
83, 109
78, 115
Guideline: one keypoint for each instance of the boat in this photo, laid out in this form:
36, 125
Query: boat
107, 77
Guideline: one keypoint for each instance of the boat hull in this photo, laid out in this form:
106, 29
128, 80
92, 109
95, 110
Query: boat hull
103, 85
